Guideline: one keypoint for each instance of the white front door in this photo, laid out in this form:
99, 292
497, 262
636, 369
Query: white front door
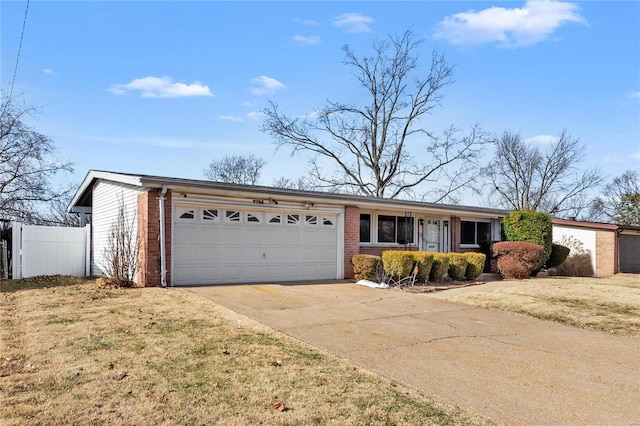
431, 235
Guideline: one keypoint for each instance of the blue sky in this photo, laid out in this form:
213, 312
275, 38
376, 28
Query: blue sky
163, 88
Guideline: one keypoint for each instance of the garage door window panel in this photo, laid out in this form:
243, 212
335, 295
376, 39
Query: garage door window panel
274, 218
254, 217
232, 216
311, 220
186, 214
210, 215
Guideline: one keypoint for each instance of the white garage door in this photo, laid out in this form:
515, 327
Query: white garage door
214, 245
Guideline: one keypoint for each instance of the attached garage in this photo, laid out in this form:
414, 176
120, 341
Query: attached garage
629, 246
217, 244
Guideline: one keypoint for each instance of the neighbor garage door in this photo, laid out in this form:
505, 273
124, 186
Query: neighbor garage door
214, 245
629, 253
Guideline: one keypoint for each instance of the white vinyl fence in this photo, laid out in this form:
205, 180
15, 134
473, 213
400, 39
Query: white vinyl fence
50, 250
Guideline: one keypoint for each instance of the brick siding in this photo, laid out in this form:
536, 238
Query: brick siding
351, 238
606, 253
149, 264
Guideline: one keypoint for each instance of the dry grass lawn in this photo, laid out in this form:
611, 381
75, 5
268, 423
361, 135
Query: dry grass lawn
607, 304
75, 353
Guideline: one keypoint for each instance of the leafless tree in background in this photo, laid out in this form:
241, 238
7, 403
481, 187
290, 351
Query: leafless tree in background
238, 169
301, 183
381, 149
526, 178
620, 200
27, 165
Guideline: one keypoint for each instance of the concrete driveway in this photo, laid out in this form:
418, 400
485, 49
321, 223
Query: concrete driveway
510, 368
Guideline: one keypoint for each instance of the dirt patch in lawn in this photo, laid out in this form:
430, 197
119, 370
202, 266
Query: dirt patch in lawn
607, 304
73, 352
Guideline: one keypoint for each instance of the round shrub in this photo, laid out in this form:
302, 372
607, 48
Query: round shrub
534, 227
558, 254
397, 263
425, 261
457, 266
517, 259
365, 266
475, 265
439, 267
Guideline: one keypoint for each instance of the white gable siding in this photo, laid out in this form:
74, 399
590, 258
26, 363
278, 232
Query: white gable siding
586, 236
107, 198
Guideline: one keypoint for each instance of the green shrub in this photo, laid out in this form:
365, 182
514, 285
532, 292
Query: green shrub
517, 259
531, 226
558, 254
475, 264
397, 263
365, 266
457, 266
439, 267
425, 261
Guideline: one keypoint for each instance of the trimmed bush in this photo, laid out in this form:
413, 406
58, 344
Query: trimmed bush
439, 267
365, 266
534, 227
457, 266
475, 264
558, 255
517, 259
397, 263
425, 261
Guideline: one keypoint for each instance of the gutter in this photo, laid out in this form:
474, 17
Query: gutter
163, 249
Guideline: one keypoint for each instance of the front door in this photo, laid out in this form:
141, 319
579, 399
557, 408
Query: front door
431, 235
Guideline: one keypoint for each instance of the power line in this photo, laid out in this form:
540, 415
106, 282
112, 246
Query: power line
15, 70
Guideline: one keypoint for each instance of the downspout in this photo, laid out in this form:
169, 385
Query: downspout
163, 249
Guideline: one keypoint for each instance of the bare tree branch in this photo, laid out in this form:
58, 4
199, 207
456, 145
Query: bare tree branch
373, 147
524, 178
235, 169
619, 201
27, 165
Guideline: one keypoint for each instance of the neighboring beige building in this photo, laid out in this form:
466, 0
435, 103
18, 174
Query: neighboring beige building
614, 248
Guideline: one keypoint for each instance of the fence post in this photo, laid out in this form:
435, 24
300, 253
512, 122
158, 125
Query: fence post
16, 253
87, 250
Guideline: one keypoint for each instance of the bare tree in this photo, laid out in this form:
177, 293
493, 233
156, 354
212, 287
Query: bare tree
120, 256
525, 178
27, 165
620, 200
302, 183
381, 149
235, 169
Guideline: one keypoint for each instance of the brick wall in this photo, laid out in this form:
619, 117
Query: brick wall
606, 253
351, 238
149, 265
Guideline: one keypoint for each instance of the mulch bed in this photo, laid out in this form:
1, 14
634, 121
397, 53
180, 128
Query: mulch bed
445, 284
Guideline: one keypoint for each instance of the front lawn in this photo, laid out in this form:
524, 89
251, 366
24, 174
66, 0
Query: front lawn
76, 353
607, 304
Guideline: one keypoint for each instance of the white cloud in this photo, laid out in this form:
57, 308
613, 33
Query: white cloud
354, 22
161, 87
542, 139
307, 39
49, 71
633, 94
265, 85
230, 118
253, 115
306, 21
528, 25
636, 155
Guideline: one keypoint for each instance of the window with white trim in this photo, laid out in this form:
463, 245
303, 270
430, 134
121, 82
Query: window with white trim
310, 220
328, 221
210, 215
293, 219
386, 229
232, 216
254, 217
274, 218
186, 214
